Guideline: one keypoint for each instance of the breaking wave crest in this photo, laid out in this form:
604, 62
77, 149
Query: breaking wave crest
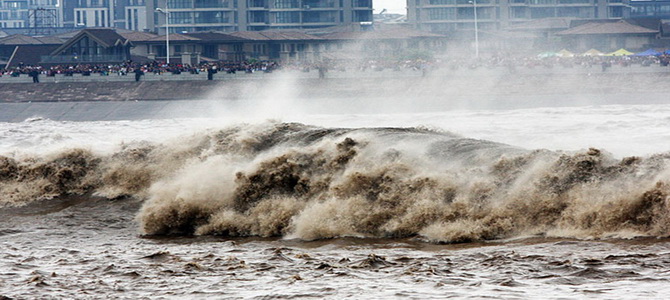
299, 181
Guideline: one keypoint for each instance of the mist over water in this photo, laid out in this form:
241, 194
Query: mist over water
281, 195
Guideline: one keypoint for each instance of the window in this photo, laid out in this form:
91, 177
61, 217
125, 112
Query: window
442, 2
518, 13
181, 18
287, 4
318, 3
466, 13
574, 12
362, 3
211, 17
318, 17
180, 3
258, 17
129, 23
616, 12
136, 21
287, 17
542, 12
577, 1
210, 3
257, 3
442, 14
456, 2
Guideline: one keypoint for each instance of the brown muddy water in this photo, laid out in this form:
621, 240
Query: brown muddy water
89, 248
287, 210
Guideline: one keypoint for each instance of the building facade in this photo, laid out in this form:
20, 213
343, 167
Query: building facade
125, 14
184, 15
256, 15
444, 16
38, 15
132, 15
650, 9
30, 14
88, 13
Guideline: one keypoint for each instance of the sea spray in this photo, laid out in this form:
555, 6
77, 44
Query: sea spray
314, 183
307, 182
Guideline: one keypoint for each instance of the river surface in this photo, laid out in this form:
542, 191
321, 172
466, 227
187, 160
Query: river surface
552, 202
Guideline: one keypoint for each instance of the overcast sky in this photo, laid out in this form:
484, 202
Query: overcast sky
392, 6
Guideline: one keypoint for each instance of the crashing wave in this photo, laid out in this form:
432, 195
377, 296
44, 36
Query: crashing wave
299, 181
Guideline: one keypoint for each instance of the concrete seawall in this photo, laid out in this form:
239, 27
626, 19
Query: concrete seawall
182, 86
105, 91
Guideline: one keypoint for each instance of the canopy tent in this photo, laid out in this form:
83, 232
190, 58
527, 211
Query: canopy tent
547, 54
592, 52
620, 52
565, 53
648, 52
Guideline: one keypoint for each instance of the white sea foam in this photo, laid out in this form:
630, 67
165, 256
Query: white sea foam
622, 130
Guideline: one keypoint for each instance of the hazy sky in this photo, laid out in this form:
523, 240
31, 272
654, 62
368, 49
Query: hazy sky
392, 6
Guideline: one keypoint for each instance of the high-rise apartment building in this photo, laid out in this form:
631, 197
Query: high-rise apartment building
126, 14
132, 15
186, 15
449, 15
88, 13
29, 13
254, 15
650, 8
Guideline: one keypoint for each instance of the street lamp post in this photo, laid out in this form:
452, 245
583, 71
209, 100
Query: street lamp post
474, 3
166, 12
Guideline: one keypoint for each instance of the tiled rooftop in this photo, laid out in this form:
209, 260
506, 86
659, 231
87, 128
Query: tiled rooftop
619, 27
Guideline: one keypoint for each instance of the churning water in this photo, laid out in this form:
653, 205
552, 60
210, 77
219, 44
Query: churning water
549, 202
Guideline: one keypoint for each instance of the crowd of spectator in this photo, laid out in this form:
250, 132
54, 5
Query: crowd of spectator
155, 67
159, 67
425, 65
